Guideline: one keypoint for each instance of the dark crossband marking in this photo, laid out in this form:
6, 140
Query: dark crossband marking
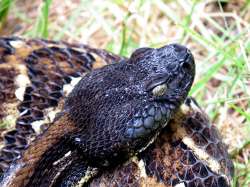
36, 75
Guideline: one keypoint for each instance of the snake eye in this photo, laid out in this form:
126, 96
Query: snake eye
159, 90
158, 84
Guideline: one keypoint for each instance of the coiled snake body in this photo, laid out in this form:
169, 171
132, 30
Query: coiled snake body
121, 125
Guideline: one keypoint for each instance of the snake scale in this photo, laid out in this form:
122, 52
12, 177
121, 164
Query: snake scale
87, 117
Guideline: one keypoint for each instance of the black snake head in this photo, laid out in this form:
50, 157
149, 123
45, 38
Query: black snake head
121, 108
172, 71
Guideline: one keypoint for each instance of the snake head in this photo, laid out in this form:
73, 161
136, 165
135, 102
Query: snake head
120, 108
171, 71
170, 74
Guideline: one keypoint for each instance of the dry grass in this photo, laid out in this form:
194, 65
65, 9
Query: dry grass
217, 33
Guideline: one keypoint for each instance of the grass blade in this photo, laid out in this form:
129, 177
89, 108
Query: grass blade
41, 26
4, 9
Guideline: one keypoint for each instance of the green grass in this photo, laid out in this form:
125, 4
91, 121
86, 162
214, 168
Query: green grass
42, 23
4, 8
221, 48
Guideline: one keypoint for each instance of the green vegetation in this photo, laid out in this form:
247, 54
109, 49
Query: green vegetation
41, 26
4, 8
216, 32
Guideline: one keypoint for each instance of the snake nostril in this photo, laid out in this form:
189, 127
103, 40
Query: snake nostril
186, 65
